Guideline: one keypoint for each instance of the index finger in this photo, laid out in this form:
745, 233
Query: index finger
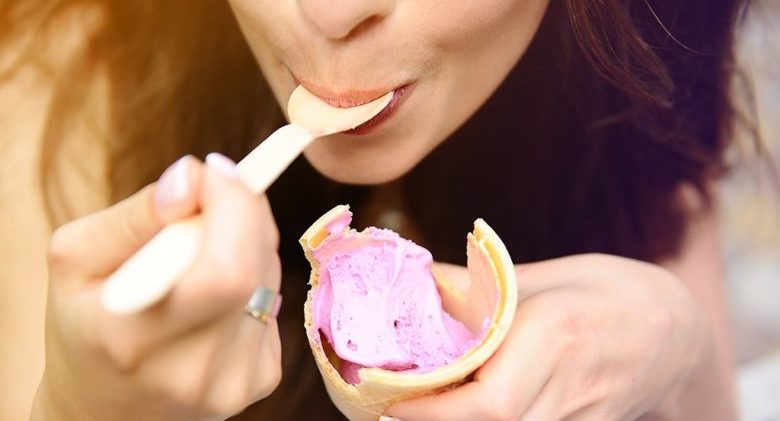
233, 261
238, 253
95, 245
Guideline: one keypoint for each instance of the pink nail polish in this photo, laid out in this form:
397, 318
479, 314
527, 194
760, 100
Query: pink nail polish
174, 183
223, 164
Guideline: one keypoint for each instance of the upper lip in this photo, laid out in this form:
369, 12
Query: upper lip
347, 97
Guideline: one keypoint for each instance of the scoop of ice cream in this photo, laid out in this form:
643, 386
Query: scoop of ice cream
485, 302
378, 306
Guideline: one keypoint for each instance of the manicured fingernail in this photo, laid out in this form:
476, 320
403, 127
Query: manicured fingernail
223, 164
174, 183
386, 418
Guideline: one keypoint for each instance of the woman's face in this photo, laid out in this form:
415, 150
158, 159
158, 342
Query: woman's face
443, 57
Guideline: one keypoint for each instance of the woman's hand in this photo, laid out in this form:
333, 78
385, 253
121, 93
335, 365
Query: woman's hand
196, 355
595, 337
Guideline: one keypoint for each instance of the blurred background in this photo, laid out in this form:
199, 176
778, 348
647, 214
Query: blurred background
751, 206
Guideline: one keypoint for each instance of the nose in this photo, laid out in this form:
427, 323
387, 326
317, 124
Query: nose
337, 19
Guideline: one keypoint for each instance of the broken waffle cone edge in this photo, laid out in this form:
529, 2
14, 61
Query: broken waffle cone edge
380, 388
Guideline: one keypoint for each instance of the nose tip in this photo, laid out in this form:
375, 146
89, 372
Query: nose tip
337, 19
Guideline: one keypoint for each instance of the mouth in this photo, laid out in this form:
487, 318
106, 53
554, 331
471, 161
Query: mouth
354, 98
399, 95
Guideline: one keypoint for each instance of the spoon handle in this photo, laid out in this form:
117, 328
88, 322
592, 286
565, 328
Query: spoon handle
261, 167
147, 276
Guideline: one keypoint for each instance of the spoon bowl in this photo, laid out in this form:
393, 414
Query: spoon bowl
309, 111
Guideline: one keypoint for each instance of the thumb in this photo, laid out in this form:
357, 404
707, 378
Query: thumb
95, 245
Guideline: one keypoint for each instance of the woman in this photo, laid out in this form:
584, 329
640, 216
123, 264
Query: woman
572, 127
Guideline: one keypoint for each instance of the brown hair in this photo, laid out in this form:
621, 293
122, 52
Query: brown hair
615, 105
181, 80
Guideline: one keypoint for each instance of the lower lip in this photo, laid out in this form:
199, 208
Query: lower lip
398, 97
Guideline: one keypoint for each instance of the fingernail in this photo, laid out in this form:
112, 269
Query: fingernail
174, 183
386, 418
223, 164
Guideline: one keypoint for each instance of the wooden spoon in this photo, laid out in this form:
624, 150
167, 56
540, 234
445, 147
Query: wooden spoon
147, 276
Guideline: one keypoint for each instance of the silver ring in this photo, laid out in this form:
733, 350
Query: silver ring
264, 304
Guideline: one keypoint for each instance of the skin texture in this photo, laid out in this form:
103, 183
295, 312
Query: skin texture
570, 356
454, 62
581, 309
25, 231
613, 338
587, 329
174, 360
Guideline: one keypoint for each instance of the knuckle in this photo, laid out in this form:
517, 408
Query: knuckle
190, 392
267, 237
663, 315
276, 377
235, 274
230, 400
271, 237
60, 250
125, 356
129, 218
226, 404
269, 374
267, 217
268, 382
126, 362
562, 328
239, 280
232, 280
185, 381
662, 322
557, 324
593, 388
273, 271
498, 408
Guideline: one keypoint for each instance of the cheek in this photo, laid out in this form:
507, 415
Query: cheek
460, 49
254, 21
469, 25
261, 27
478, 44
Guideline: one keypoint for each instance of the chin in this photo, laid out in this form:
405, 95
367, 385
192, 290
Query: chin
358, 168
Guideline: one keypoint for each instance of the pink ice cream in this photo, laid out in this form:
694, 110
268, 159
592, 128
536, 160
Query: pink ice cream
378, 306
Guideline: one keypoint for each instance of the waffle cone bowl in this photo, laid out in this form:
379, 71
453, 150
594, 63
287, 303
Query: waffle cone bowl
485, 303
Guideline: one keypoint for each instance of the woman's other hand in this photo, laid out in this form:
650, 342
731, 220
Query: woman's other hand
595, 337
196, 355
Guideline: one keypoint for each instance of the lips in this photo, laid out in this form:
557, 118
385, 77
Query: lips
354, 97
347, 98
398, 96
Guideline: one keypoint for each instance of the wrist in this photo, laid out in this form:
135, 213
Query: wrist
55, 402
